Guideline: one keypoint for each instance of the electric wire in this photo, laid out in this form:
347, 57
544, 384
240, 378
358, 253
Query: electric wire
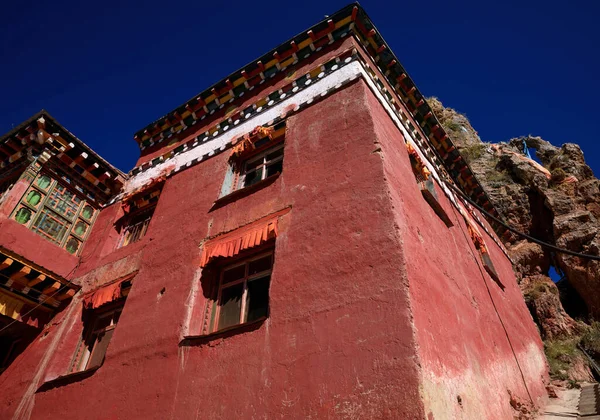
481, 271
60, 289
518, 232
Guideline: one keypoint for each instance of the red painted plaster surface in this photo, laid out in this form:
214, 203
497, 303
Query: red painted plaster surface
101, 260
19, 240
31, 246
12, 198
338, 342
475, 340
377, 309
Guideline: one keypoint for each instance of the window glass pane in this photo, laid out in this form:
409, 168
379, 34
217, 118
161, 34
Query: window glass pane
51, 226
258, 298
72, 245
231, 306
33, 198
234, 273
103, 322
64, 202
253, 164
85, 351
274, 168
262, 264
87, 212
43, 182
253, 177
23, 215
80, 228
275, 154
136, 227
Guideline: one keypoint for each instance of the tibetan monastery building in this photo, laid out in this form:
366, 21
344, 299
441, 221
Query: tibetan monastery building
291, 243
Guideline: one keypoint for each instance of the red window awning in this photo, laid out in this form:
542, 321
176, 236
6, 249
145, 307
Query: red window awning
103, 295
232, 243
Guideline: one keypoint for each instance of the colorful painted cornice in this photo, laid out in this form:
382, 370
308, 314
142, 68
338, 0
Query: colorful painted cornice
219, 101
33, 283
43, 137
219, 98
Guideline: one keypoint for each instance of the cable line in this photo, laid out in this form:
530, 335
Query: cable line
517, 232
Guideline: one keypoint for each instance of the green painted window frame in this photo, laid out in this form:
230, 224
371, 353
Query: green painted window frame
43, 207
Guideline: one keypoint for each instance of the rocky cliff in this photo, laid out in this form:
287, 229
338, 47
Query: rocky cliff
549, 193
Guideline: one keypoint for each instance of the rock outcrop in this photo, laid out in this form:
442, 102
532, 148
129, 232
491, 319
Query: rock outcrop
553, 196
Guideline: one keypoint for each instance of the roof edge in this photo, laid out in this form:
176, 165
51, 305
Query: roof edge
73, 137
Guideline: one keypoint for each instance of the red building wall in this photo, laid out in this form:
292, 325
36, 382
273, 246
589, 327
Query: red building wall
477, 343
377, 309
339, 340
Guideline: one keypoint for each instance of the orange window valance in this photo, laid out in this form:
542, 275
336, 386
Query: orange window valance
246, 144
476, 236
103, 295
232, 243
425, 172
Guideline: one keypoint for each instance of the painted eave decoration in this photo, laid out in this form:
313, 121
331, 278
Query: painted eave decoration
42, 136
33, 284
218, 101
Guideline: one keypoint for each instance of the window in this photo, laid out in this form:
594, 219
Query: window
261, 166
137, 225
139, 209
255, 157
426, 184
99, 327
243, 293
63, 202
479, 243
102, 310
236, 276
56, 213
51, 226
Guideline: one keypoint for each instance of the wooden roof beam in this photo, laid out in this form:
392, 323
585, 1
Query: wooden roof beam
12, 146
79, 159
51, 289
7, 262
66, 295
19, 275
40, 278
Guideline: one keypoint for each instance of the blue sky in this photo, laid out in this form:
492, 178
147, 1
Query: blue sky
107, 69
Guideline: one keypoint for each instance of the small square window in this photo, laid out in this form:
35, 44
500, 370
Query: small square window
139, 210
136, 227
243, 292
261, 166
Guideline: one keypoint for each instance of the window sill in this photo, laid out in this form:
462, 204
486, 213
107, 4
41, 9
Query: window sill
198, 340
430, 195
491, 270
67, 379
243, 192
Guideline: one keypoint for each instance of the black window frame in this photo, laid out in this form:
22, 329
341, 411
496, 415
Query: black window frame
248, 278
